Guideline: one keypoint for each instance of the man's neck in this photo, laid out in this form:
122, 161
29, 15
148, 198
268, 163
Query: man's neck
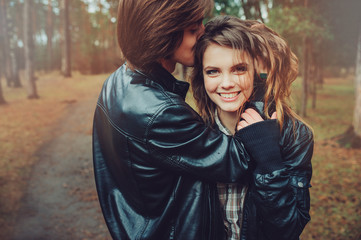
167, 64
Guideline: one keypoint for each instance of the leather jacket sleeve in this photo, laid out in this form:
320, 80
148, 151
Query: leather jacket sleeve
281, 197
179, 141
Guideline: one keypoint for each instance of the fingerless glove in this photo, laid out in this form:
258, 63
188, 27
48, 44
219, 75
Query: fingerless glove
261, 141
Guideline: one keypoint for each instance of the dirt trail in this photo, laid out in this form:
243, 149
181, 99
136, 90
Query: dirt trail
60, 201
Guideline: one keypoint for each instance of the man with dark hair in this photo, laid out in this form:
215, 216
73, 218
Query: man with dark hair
156, 163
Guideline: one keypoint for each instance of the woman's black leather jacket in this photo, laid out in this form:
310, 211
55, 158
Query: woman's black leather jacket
277, 204
156, 164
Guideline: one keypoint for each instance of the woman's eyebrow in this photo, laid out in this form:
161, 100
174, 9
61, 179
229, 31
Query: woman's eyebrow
241, 64
210, 67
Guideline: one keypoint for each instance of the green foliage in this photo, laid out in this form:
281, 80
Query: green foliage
227, 7
298, 22
93, 35
330, 24
344, 19
92, 27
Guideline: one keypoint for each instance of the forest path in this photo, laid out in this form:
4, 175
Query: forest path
60, 201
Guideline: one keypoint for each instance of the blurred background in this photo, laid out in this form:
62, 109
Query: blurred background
55, 55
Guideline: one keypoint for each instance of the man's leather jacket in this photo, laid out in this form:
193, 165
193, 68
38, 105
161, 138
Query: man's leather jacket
156, 164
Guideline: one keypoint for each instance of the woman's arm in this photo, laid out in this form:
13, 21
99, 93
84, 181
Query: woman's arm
281, 197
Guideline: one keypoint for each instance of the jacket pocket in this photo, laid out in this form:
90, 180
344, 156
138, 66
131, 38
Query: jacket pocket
301, 187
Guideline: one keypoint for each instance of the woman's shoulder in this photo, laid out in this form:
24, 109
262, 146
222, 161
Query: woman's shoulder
297, 128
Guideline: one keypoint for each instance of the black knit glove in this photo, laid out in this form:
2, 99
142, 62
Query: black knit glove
261, 141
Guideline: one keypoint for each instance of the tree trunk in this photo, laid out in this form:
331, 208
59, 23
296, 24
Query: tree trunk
6, 44
246, 9
320, 78
357, 111
305, 77
14, 70
257, 6
49, 35
306, 51
2, 99
313, 74
28, 51
2, 63
65, 62
315, 86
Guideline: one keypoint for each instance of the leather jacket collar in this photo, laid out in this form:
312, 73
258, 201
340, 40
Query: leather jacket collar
166, 80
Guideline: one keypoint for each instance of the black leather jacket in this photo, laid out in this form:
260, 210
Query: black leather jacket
277, 204
156, 164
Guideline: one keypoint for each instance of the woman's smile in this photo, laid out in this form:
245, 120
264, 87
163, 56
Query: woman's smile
229, 97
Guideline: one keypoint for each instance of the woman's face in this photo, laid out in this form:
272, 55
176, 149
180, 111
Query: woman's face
228, 77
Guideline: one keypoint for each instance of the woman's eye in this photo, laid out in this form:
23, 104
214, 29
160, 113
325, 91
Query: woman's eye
240, 69
212, 72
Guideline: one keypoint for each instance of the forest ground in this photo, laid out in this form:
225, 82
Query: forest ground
46, 178
59, 201
58, 198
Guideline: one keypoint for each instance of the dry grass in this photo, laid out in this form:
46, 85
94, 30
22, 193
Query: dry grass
336, 191
27, 124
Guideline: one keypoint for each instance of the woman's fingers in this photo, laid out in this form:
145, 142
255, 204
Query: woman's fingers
242, 124
274, 115
251, 116
247, 117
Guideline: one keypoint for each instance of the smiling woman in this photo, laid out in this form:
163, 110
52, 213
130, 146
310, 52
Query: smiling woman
243, 64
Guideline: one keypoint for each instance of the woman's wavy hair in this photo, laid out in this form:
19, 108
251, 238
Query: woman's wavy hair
262, 44
149, 30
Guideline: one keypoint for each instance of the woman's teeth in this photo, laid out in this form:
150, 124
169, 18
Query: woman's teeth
228, 95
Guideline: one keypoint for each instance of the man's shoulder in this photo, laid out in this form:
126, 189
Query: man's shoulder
131, 101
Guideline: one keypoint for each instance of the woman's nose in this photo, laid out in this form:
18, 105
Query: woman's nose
227, 81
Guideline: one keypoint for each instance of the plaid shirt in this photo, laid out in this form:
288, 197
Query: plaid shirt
231, 197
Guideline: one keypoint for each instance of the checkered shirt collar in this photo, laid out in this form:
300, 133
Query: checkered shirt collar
220, 125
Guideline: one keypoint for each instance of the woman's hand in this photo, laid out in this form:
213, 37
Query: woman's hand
250, 116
